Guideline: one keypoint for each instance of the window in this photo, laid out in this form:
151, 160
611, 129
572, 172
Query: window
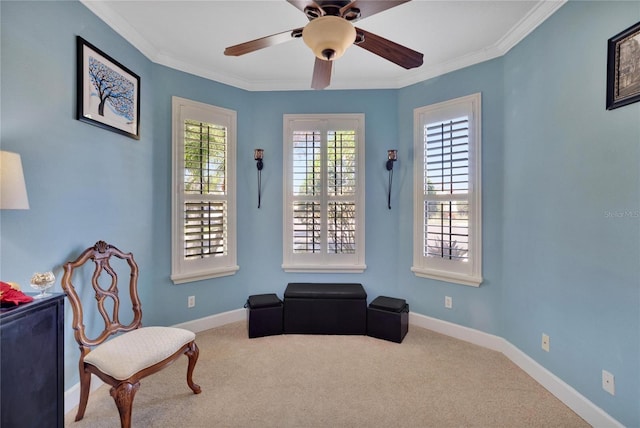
447, 210
324, 193
203, 196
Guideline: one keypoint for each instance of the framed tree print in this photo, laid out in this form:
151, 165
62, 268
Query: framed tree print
108, 93
623, 68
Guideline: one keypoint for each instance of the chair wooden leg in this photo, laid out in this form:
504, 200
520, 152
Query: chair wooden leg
85, 387
192, 353
123, 395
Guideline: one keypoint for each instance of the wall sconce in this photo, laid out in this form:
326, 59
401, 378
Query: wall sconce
392, 157
258, 154
13, 192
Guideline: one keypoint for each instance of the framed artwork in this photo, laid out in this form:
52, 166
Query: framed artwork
623, 68
108, 93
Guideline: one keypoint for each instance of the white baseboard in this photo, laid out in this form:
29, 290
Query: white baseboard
456, 331
214, 321
564, 392
591, 413
588, 411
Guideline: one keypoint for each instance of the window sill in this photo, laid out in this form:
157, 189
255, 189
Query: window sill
200, 275
458, 278
324, 268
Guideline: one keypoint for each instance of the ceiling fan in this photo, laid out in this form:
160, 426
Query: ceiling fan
330, 32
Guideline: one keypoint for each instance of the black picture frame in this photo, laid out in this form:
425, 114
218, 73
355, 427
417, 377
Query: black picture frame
116, 109
623, 68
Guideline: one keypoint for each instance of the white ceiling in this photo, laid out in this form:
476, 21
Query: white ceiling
191, 36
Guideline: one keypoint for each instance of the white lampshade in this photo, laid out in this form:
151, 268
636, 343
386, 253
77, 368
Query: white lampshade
13, 192
329, 36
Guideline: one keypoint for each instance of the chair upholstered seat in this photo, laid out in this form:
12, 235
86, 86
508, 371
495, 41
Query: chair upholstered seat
127, 354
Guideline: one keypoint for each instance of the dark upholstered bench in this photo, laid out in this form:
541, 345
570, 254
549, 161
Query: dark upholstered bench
325, 308
264, 317
388, 318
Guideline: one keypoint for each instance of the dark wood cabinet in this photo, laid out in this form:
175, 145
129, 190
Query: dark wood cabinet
32, 359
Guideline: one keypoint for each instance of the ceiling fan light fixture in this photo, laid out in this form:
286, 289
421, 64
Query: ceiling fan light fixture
329, 36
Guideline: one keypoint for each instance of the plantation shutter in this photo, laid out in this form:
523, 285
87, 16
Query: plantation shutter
324, 187
446, 185
341, 189
203, 201
205, 210
307, 191
447, 220
324, 200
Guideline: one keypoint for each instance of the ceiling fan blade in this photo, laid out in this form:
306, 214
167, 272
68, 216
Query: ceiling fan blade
321, 74
302, 5
263, 42
391, 51
371, 7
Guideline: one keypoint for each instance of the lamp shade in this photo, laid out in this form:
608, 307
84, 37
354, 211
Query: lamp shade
329, 36
13, 192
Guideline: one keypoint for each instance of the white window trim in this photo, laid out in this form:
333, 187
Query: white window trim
322, 262
469, 273
212, 267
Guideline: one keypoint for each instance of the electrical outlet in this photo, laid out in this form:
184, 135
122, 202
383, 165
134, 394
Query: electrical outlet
448, 302
608, 382
545, 342
191, 301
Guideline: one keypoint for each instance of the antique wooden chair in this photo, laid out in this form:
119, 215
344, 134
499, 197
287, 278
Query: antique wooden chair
135, 351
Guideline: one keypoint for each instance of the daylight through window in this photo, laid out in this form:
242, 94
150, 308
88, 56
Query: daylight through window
204, 197
324, 179
447, 219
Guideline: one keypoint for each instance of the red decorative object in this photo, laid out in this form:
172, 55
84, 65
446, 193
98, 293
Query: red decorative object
11, 295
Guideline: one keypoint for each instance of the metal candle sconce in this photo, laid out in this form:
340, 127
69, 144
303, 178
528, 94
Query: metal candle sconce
258, 154
392, 157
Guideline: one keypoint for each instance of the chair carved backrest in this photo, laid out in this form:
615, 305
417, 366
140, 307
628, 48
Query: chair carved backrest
101, 254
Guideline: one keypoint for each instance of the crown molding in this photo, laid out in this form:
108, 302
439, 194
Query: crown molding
518, 32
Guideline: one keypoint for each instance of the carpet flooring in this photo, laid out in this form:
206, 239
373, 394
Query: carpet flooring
429, 380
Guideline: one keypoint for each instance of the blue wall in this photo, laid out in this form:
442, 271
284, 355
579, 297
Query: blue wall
560, 175
571, 208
